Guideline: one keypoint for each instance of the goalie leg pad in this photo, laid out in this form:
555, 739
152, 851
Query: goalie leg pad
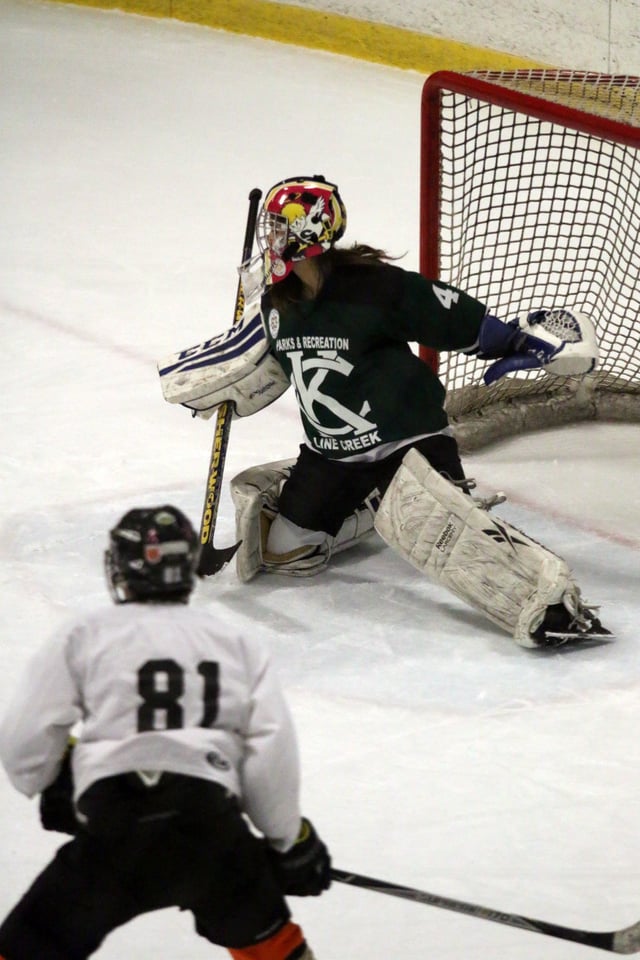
484, 561
273, 544
255, 495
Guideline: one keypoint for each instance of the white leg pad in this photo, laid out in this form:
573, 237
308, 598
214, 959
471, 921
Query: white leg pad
484, 561
255, 495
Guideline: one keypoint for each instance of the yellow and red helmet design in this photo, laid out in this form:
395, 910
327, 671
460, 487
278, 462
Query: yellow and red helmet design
301, 217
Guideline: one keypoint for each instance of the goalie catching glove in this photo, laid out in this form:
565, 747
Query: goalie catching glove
561, 342
234, 367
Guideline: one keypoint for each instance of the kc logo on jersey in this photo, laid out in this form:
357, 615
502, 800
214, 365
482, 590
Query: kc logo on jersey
355, 431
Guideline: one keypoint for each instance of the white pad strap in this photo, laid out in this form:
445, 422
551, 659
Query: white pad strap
234, 367
486, 562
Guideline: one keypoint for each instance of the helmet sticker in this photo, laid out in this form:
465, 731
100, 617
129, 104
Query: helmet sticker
278, 267
164, 518
153, 553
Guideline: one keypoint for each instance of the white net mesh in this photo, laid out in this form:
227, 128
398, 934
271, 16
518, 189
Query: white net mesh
562, 324
538, 175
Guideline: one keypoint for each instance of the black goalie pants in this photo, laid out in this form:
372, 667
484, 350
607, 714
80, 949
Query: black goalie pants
320, 493
181, 844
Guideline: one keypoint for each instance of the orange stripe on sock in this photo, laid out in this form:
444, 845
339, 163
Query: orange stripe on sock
278, 947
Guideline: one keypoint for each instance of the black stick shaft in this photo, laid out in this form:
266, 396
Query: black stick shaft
621, 941
211, 559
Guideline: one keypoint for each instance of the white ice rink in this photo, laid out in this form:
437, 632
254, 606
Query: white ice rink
435, 752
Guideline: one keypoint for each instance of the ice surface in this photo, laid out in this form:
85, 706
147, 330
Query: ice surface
435, 752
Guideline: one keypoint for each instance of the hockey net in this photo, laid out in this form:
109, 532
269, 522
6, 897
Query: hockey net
530, 198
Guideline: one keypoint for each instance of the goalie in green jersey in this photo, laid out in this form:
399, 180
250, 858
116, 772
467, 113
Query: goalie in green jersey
337, 324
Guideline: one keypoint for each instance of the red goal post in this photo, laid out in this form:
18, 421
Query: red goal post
530, 198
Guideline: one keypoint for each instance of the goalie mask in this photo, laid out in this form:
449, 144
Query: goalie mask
152, 555
300, 218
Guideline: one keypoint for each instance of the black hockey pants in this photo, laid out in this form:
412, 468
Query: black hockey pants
180, 844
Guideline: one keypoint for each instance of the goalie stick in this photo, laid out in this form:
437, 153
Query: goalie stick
213, 559
617, 941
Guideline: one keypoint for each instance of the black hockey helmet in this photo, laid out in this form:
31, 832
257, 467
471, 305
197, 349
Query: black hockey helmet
152, 555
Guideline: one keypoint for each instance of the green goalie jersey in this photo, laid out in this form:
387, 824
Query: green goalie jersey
347, 353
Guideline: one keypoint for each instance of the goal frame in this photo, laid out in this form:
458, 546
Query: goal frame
576, 402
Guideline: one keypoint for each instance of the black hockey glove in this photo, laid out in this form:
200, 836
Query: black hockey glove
56, 800
304, 870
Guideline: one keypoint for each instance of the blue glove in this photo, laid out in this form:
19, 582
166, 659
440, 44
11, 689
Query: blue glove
515, 343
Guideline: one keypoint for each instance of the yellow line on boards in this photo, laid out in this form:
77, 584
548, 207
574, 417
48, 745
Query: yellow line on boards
319, 30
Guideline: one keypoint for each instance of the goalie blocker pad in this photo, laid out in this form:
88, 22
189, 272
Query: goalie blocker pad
233, 367
486, 562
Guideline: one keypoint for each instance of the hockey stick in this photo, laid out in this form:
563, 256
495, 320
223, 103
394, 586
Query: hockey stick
213, 559
618, 941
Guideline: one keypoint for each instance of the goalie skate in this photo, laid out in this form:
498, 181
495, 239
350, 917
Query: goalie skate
562, 626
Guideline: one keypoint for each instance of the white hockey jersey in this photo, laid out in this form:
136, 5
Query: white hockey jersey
158, 687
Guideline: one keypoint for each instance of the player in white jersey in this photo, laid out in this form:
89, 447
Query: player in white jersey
182, 787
